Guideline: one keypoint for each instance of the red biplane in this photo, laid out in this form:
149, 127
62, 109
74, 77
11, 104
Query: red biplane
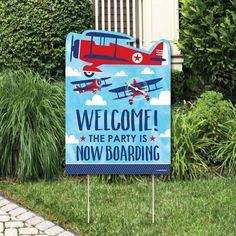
136, 89
107, 52
91, 85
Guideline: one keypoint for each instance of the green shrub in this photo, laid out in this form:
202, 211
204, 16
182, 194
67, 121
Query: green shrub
204, 137
214, 111
187, 145
225, 147
212, 108
33, 33
31, 126
177, 86
186, 86
208, 39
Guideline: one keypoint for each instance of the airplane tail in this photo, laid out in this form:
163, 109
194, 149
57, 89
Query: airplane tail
160, 54
78, 91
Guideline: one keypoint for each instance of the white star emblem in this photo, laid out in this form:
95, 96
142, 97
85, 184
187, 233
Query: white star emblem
137, 57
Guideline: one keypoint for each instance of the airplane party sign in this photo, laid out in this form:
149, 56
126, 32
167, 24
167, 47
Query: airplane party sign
118, 110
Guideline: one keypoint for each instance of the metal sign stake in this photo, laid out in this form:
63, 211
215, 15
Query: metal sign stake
88, 197
153, 199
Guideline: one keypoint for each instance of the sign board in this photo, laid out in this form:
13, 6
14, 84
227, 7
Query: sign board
117, 105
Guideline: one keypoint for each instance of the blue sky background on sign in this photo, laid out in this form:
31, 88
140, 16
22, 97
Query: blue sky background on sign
120, 151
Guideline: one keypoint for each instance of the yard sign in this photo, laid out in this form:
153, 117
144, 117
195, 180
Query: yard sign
117, 105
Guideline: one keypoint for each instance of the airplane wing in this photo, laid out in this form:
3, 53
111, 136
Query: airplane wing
120, 89
93, 33
105, 78
153, 82
106, 85
89, 80
150, 82
122, 92
82, 81
145, 83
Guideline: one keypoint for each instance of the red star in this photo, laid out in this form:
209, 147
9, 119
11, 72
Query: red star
82, 138
152, 138
137, 57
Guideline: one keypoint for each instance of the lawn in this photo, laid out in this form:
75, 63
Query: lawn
200, 207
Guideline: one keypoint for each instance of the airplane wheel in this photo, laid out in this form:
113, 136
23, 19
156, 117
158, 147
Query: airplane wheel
148, 99
89, 73
131, 103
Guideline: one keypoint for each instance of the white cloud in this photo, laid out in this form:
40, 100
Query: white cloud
97, 100
71, 72
121, 74
164, 99
147, 71
166, 134
71, 139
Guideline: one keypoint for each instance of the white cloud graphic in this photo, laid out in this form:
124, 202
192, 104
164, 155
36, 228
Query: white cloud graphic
97, 100
71, 72
164, 99
121, 74
166, 134
147, 71
71, 139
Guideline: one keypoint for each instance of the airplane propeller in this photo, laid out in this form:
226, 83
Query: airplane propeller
136, 89
74, 51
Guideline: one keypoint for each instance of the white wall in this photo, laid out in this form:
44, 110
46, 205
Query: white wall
161, 20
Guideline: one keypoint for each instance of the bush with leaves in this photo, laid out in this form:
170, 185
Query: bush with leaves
187, 145
204, 136
208, 40
215, 111
212, 108
177, 86
33, 33
225, 149
31, 126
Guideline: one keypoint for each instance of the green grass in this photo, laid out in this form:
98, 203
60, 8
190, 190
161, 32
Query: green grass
199, 207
